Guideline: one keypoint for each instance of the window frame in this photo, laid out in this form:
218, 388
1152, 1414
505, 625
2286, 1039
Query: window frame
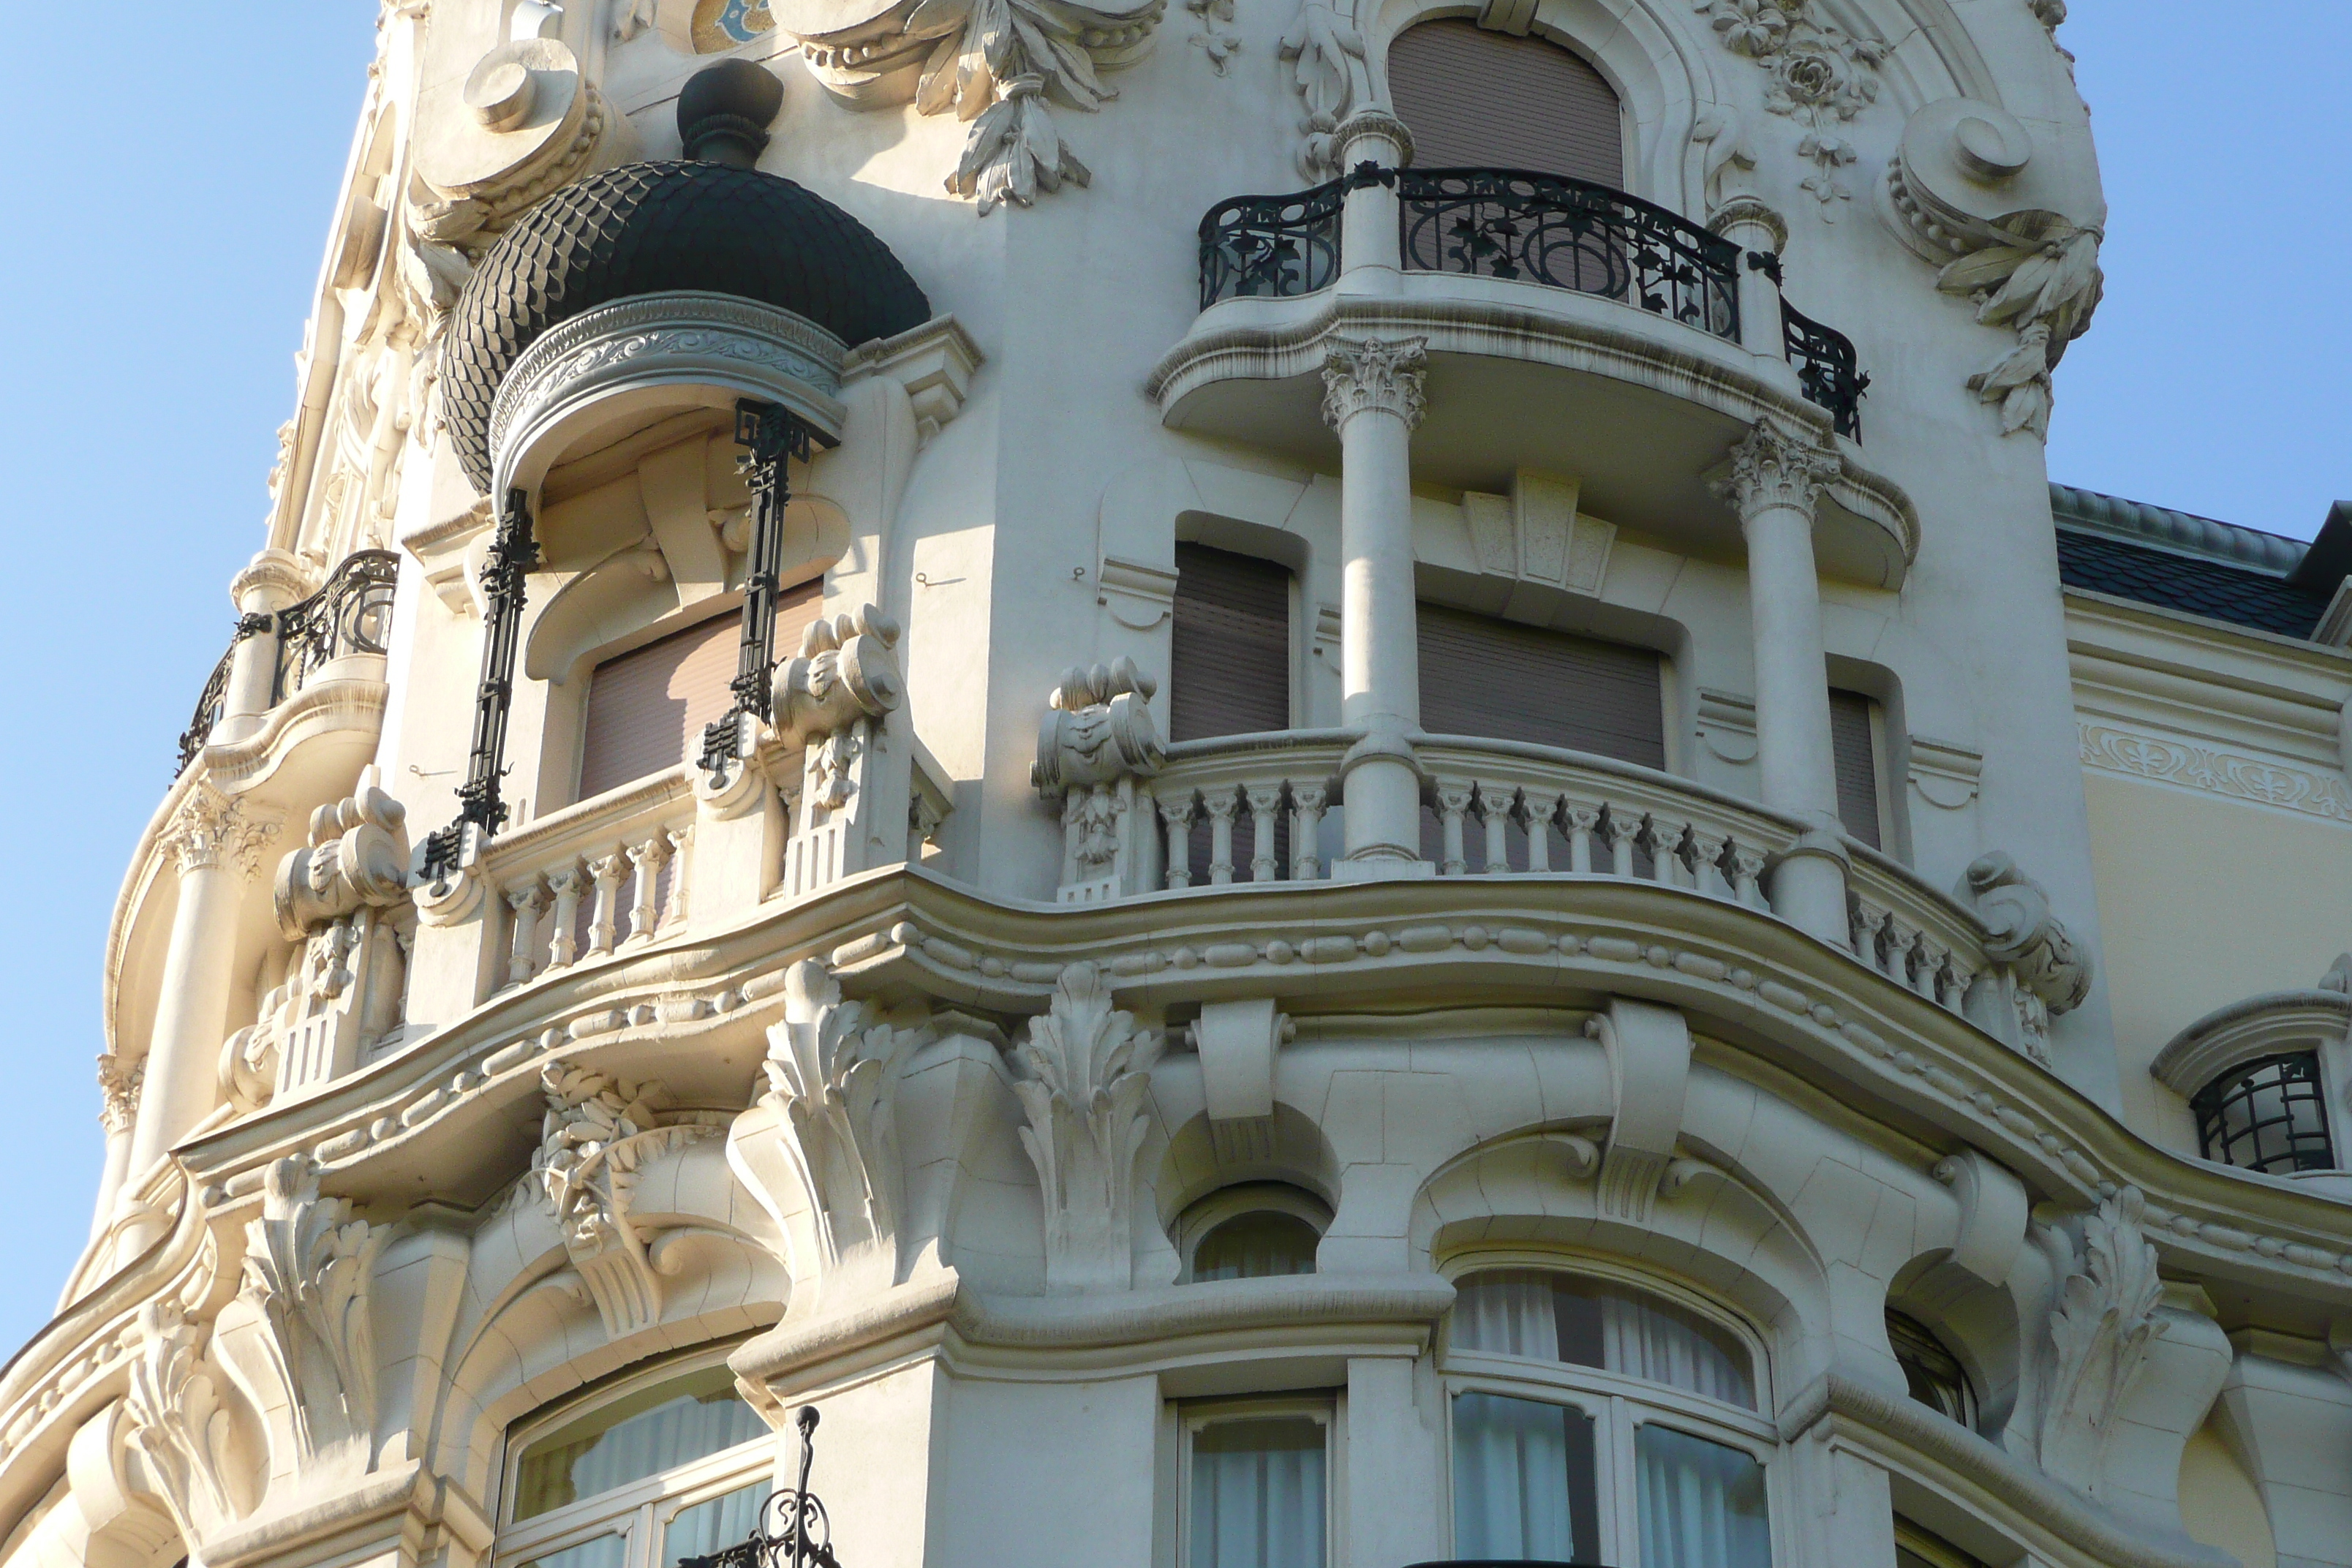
1619, 1404
1327, 1409
1206, 1214
639, 1512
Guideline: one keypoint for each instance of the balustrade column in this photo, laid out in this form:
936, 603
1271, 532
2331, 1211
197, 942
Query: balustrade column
270, 580
1776, 481
1372, 398
218, 846
1370, 145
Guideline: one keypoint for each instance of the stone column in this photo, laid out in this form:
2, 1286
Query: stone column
1761, 236
218, 847
1777, 475
1369, 143
118, 1111
1395, 1460
1372, 398
272, 580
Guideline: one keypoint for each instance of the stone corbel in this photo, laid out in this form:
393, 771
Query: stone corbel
1237, 1042
2049, 975
1726, 726
175, 1419
1649, 1050
1993, 1214
933, 363
820, 1148
298, 1339
1536, 535
1085, 1066
1096, 744
1137, 595
597, 1134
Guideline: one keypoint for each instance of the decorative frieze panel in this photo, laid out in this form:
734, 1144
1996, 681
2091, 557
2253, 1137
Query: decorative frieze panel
2215, 771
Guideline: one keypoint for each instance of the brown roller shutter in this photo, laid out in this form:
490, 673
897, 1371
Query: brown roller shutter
1857, 765
1477, 100
647, 707
1484, 677
1231, 645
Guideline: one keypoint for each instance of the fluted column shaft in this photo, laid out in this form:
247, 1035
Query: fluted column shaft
1372, 398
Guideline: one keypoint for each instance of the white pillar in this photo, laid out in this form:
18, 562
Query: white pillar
1850, 1513
1759, 232
1371, 242
117, 1112
1777, 475
1395, 1459
270, 580
218, 848
1372, 397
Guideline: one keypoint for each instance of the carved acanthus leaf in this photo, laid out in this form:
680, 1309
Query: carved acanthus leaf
175, 1421
2041, 277
1326, 54
211, 830
1774, 466
2099, 1336
1374, 375
118, 1085
309, 1266
1088, 1067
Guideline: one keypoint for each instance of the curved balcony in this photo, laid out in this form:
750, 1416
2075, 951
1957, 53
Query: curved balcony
351, 614
1570, 327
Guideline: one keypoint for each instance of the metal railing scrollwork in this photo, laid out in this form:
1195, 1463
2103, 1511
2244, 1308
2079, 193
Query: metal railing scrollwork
353, 614
1272, 246
1827, 368
792, 1531
1569, 234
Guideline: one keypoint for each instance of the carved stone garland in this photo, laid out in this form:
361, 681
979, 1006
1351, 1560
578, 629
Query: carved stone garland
998, 65
1325, 51
1820, 75
1086, 1066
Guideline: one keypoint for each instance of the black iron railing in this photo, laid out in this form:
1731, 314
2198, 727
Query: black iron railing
353, 614
1826, 368
1569, 234
1272, 246
792, 1530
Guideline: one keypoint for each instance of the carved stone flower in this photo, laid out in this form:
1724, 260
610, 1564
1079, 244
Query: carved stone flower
1809, 76
1754, 28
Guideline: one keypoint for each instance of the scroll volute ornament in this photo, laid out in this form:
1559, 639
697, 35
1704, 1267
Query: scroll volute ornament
357, 856
2022, 932
998, 66
847, 670
1097, 728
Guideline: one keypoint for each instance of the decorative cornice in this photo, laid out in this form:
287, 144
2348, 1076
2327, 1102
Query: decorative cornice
1374, 375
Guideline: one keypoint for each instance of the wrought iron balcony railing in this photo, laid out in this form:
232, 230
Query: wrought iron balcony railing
1826, 368
353, 614
792, 1530
1569, 234
1517, 224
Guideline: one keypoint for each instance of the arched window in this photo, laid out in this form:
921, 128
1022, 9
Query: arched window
1252, 1231
639, 1476
1933, 1374
2269, 1115
1566, 1389
1477, 100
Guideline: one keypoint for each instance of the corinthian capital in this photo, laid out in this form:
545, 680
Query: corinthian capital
1376, 375
120, 1085
1777, 467
211, 830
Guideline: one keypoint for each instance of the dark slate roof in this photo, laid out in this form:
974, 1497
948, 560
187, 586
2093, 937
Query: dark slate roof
2107, 565
646, 229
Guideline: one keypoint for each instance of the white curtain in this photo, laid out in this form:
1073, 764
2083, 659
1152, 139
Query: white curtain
1508, 1312
1702, 1503
713, 1526
575, 1464
1651, 1339
1516, 1486
598, 1552
1257, 1494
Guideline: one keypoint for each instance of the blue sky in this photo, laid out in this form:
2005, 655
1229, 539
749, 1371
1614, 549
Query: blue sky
170, 206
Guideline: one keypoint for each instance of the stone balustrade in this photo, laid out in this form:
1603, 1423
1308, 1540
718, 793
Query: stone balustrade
585, 883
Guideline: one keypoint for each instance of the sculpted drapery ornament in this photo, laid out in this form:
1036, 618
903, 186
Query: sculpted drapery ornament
1375, 375
1820, 77
998, 65
1086, 1067
2040, 274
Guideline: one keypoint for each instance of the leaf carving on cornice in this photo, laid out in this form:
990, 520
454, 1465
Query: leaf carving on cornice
2099, 1336
1085, 1066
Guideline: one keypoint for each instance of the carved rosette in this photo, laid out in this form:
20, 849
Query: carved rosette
1000, 66
1380, 375
1775, 466
212, 830
2099, 1336
1818, 75
1086, 1067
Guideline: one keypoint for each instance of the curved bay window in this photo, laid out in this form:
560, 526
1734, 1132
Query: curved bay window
1933, 1374
673, 1467
1597, 1423
2269, 1115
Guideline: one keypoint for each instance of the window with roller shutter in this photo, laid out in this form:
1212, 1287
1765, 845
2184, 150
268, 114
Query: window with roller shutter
648, 707
1505, 681
1477, 100
1854, 744
1230, 657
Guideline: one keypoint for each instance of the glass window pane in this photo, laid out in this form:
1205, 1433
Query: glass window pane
1257, 1494
1549, 1316
602, 1552
713, 1526
1702, 1503
1524, 1490
632, 1438
1254, 1245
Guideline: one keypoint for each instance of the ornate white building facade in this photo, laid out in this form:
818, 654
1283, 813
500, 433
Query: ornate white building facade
1460, 865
